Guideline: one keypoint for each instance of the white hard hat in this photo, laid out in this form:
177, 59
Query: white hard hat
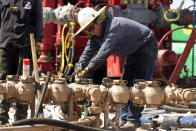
86, 16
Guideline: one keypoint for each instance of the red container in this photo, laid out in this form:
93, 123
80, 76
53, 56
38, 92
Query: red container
115, 66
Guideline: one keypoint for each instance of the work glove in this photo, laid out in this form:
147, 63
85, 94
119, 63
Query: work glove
86, 73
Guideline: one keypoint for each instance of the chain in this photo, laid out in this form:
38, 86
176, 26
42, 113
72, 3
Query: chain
193, 50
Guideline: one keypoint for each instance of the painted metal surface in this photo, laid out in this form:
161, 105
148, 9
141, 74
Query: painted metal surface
44, 62
173, 78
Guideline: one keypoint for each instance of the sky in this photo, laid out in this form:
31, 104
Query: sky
176, 4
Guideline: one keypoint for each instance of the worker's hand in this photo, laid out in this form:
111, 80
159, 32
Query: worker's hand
86, 73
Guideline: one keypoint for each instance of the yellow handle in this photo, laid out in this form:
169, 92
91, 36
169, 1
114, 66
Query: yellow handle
171, 10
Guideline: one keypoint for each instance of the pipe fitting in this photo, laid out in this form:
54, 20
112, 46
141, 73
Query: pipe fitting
83, 81
78, 93
167, 57
92, 121
188, 95
119, 92
137, 94
94, 93
2, 88
83, 88
25, 89
17, 89
11, 93
185, 95
80, 88
154, 96
59, 90
176, 95
104, 93
94, 110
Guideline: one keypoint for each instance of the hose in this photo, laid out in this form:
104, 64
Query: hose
69, 58
64, 51
70, 64
178, 110
53, 122
65, 44
192, 104
42, 95
181, 105
71, 49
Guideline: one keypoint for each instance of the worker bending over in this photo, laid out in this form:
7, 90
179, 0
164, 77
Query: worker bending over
122, 37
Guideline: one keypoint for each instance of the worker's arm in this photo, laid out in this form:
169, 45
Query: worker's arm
106, 49
89, 51
37, 11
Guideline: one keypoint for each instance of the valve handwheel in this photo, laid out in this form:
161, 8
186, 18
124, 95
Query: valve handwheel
76, 10
183, 57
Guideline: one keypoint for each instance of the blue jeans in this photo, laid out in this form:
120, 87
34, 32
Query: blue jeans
139, 65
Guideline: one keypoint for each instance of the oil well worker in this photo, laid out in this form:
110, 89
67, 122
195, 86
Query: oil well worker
18, 18
122, 37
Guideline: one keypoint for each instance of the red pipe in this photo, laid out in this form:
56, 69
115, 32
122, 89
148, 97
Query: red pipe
108, 6
58, 38
167, 57
183, 57
76, 10
44, 62
160, 46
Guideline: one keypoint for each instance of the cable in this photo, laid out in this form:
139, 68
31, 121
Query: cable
193, 50
43, 94
57, 123
63, 48
71, 49
72, 53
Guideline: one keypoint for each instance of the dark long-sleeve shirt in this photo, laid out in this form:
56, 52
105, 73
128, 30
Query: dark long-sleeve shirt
15, 27
121, 37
